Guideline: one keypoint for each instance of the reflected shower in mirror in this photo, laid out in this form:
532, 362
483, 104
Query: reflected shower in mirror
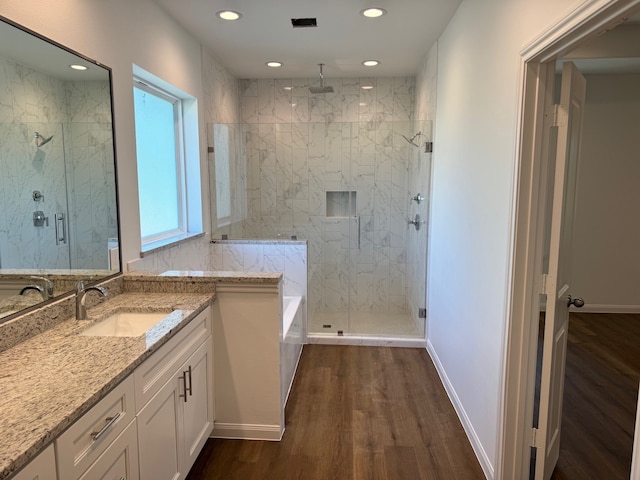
58, 210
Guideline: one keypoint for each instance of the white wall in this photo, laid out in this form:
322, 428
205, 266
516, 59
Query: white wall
120, 33
474, 162
606, 231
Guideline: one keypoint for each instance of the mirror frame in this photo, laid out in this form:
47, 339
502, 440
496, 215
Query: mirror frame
109, 71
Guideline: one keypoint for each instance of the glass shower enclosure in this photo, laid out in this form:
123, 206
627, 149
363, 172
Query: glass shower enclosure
353, 191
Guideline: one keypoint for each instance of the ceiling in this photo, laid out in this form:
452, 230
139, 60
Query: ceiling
342, 40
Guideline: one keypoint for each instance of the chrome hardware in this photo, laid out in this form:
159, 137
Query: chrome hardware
39, 220
358, 237
37, 196
48, 285
577, 302
190, 382
109, 424
81, 293
37, 288
418, 198
60, 218
416, 222
184, 384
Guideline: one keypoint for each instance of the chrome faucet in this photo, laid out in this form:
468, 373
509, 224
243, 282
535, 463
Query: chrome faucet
48, 286
37, 288
81, 292
46, 291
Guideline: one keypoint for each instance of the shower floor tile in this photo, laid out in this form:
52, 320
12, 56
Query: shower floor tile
362, 323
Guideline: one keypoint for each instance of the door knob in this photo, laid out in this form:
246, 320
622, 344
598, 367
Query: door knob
577, 302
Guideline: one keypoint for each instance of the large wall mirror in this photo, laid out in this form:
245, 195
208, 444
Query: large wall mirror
58, 207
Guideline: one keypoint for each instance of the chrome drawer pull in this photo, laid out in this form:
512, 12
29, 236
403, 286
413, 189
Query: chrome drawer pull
190, 382
103, 430
184, 384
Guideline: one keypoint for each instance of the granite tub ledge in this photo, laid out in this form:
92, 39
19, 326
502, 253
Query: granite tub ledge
52, 379
195, 277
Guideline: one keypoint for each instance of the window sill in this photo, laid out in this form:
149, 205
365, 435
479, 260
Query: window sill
166, 243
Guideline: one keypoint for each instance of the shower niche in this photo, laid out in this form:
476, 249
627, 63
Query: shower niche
341, 204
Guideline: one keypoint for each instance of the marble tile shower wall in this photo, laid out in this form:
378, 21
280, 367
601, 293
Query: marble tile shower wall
34, 102
300, 146
90, 173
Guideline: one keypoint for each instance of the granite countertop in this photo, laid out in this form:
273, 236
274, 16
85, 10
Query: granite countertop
52, 379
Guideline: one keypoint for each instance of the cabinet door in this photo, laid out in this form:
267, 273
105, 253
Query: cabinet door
160, 444
198, 408
43, 467
120, 459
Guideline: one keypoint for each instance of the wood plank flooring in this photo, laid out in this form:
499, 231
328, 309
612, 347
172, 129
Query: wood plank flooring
600, 398
355, 413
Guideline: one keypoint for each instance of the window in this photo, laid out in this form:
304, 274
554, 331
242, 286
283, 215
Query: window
161, 165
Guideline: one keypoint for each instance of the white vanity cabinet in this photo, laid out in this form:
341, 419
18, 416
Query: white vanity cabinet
92, 434
174, 424
120, 459
43, 467
151, 426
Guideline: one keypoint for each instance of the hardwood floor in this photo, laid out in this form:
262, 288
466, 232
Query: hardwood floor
361, 413
600, 398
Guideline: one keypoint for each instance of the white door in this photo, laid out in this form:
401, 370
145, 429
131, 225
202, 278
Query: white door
569, 123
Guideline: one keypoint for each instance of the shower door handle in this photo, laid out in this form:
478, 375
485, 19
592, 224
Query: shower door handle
61, 226
357, 219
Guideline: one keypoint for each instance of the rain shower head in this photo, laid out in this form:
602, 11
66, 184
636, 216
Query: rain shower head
321, 88
412, 139
40, 140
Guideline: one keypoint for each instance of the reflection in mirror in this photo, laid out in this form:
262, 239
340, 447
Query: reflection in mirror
58, 211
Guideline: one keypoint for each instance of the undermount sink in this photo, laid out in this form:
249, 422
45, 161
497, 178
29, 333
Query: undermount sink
125, 324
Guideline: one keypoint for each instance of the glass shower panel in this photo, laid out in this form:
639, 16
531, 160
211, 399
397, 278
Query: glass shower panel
34, 200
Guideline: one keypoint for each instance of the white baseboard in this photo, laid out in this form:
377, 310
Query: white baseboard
483, 458
239, 431
603, 308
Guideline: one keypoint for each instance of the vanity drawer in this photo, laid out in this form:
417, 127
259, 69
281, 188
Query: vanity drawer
90, 435
160, 367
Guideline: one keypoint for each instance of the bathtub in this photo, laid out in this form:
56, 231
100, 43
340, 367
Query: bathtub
293, 321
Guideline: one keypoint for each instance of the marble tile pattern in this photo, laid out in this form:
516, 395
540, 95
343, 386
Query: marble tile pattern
77, 163
264, 257
35, 377
298, 146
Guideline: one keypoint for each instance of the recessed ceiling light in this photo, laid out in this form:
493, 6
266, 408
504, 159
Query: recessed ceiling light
274, 64
367, 87
371, 63
78, 67
229, 15
373, 12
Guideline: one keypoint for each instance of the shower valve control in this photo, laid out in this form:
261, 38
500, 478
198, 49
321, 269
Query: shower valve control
39, 220
418, 198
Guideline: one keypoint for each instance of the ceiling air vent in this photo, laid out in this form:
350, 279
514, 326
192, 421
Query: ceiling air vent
304, 22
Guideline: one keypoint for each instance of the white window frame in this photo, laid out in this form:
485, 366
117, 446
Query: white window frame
180, 157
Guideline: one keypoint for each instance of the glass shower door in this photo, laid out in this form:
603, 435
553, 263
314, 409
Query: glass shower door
36, 230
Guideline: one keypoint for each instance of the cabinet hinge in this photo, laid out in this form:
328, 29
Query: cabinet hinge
534, 437
558, 117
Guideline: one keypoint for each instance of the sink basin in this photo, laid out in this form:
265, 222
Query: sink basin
125, 324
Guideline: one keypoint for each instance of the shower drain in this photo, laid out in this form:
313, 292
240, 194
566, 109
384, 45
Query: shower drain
326, 326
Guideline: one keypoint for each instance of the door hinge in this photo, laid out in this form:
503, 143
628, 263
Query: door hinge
428, 147
558, 117
546, 286
534, 437
422, 313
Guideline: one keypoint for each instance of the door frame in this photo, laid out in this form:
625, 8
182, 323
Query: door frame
520, 347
